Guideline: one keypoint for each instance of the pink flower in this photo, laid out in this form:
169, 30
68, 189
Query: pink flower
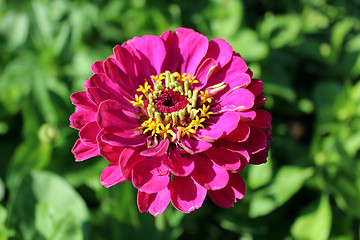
175, 115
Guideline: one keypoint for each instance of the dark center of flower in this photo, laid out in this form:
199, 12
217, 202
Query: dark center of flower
170, 101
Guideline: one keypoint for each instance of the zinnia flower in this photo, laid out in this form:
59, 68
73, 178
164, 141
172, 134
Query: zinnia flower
176, 115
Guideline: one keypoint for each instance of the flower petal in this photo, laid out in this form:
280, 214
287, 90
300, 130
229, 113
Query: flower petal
194, 146
98, 67
220, 50
159, 150
262, 119
256, 87
193, 48
111, 175
260, 157
114, 136
224, 124
111, 114
240, 133
177, 164
144, 179
128, 159
154, 203
89, 133
173, 56
83, 152
81, 117
224, 158
209, 175
126, 61
204, 72
227, 196
80, 99
256, 142
238, 100
186, 195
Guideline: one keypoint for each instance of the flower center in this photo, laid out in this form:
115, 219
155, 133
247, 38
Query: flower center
173, 108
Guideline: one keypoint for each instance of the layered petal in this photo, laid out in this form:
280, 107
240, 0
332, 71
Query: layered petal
111, 175
154, 203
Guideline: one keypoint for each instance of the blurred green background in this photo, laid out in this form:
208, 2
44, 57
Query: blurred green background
307, 52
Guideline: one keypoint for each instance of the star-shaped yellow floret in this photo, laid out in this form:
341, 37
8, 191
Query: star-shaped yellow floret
144, 89
138, 101
204, 111
191, 80
162, 129
186, 130
150, 126
197, 122
204, 96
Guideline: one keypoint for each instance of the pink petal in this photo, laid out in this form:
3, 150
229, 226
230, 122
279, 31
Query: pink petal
256, 87
204, 72
97, 67
154, 203
247, 115
186, 195
81, 99
224, 124
184, 32
209, 175
220, 50
80, 118
83, 152
111, 175
232, 74
116, 137
237, 148
128, 159
260, 157
89, 133
104, 83
224, 158
126, 62
194, 146
240, 99
262, 119
109, 152
193, 48
144, 179
119, 77
227, 196
177, 164
153, 48
159, 150
256, 142
97, 95
111, 114
173, 56
240, 134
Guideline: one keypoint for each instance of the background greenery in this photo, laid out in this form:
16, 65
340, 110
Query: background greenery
307, 52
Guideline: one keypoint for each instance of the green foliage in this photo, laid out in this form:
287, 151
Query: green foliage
307, 52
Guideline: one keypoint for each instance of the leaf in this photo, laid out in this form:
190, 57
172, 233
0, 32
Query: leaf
287, 182
315, 224
259, 175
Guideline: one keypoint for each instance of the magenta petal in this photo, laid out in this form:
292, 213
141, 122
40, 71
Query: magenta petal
173, 56
256, 142
220, 50
80, 118
224, 158
204, 72
97, 67
111, 114
193, 48
109, 152
126, 61
186, 195
227, 196
83, 152
154, 203
152, 47
144, 179
240, 134
98, 95
130, 138
256, 87
128, 159
159, 150
238, 100
225, 124
119, 77
194, 146
208, 174
262, 119
184, 32
260, 157
177, 164
111, 175
80, 99
89, 133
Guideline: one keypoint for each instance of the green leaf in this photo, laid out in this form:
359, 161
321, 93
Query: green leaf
315, 224
260, 175
287, 182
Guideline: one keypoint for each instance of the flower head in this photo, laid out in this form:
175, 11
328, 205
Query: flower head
177, 116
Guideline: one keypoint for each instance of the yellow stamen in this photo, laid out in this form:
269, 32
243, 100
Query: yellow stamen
186, 130
204, 96
151, 126
204, 111
164, 129
138, 101
144, 89
197, 122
